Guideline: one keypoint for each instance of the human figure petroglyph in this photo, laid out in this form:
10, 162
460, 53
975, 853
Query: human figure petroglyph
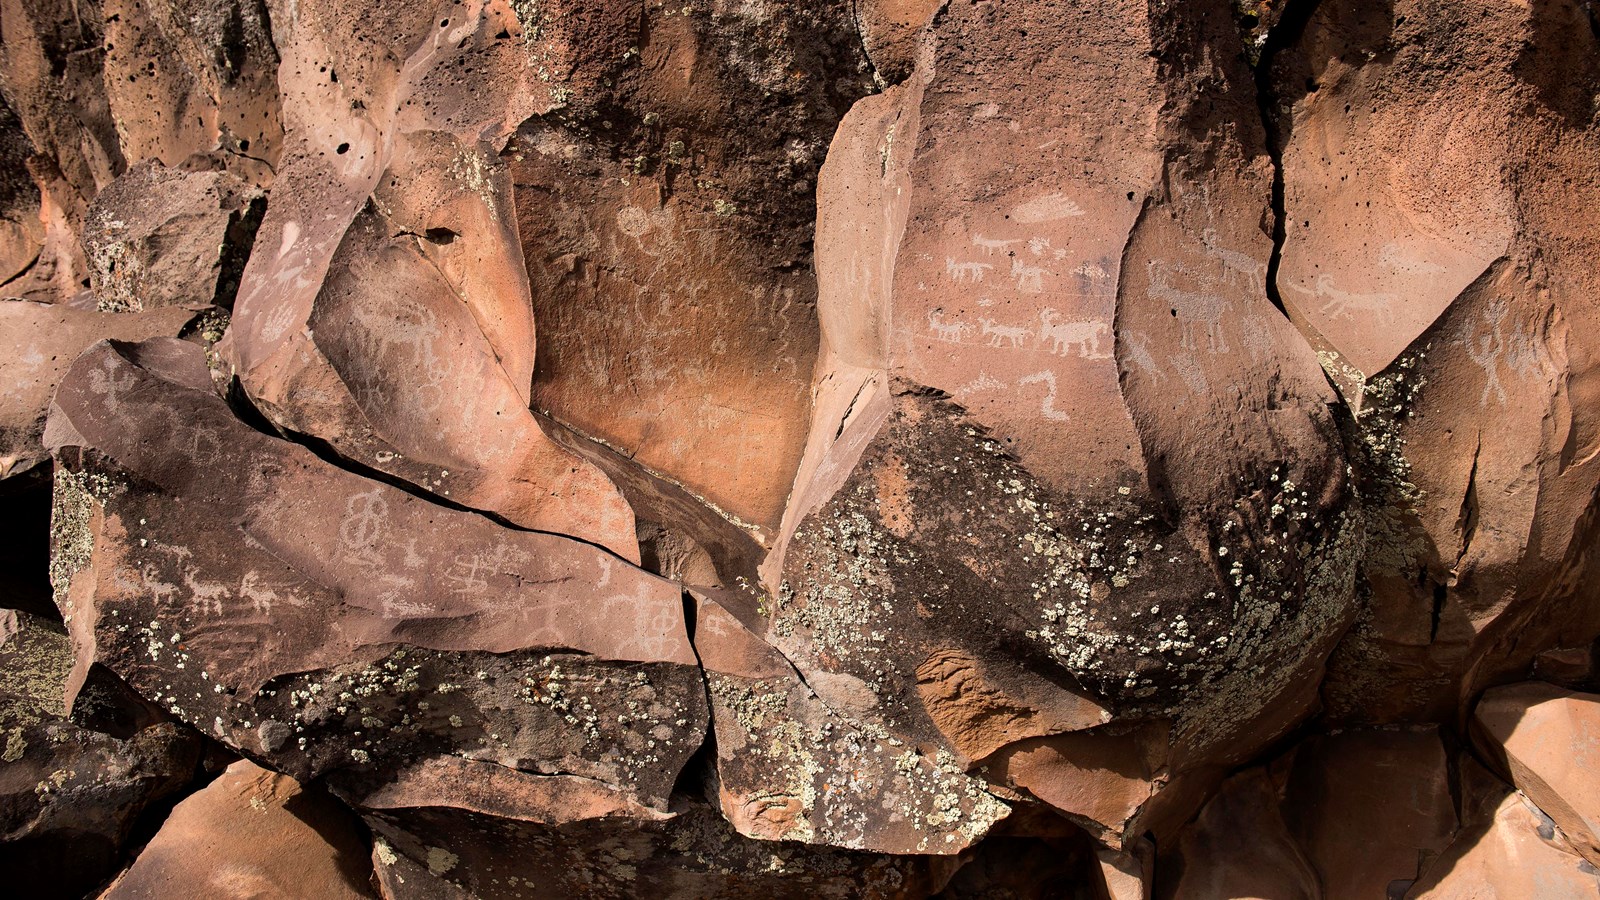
110, 385
963, 272
990, 245
1514, 350
1047, 406
363, 527
1067, 336
1030, 279
1202, 310
949, 332
1342, 303
1011, 335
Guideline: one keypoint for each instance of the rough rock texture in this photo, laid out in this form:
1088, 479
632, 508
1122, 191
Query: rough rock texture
1547, 741
252, 833
72, 786
856, 448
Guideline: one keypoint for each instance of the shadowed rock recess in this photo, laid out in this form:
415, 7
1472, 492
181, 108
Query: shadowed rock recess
722, 449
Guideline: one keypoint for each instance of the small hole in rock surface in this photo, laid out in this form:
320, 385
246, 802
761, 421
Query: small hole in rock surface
342, 149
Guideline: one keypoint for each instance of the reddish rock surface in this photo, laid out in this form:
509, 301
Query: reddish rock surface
252, 833
884, 448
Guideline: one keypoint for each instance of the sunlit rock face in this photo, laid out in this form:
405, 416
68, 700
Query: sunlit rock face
877, 449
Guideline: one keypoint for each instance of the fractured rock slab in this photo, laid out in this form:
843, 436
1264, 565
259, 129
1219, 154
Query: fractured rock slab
196, 557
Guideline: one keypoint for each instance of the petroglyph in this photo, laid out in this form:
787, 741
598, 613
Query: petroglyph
363, 527
1030, 279
1513, 349
949, 332
1237, 267
1047, 406
1136, 346
1049, 208
207, 597
1005, 335
965, 272
1200, 312
1340, 304
990, 245
1069, 336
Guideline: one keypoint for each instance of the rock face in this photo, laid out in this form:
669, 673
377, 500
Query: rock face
252, 833
886, 448
71, 786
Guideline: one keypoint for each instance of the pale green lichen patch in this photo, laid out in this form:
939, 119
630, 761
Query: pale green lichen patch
75, 499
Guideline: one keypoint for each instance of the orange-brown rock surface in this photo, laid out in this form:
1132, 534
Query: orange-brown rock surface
884, 448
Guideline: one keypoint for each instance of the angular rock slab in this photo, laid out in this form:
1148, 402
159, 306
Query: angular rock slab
69, 795
386, 308
1547, 740
795, 766
38, 341
1068, 463
252, 833
1438, 256
166, 237
323, 622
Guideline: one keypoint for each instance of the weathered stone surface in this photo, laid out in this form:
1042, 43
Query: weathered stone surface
668, 242
69, 794
1547, 741
1507, 848
386, 311
1239, 846
1437, 253
252, 833
38, 341
797, 761
1132, 501
165, 237
382, 645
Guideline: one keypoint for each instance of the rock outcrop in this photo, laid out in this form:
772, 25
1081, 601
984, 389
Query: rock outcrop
885, 448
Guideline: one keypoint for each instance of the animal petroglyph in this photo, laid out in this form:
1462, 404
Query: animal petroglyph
949, 332
1030, 279
1200, 311
963, 272
1066, 337
1236, 266
1047, 406
1343, 303
990, 245
1005, 335
207, 597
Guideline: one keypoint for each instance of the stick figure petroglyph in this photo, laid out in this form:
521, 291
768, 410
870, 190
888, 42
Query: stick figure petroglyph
1514, 349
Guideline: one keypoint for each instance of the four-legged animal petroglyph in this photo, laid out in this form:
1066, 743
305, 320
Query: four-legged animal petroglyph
949, 332
1342, 303
208, 597
1199, 311
1013, 335
1030, 279
1067, 336
990, 245
961, 272
1237, 265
